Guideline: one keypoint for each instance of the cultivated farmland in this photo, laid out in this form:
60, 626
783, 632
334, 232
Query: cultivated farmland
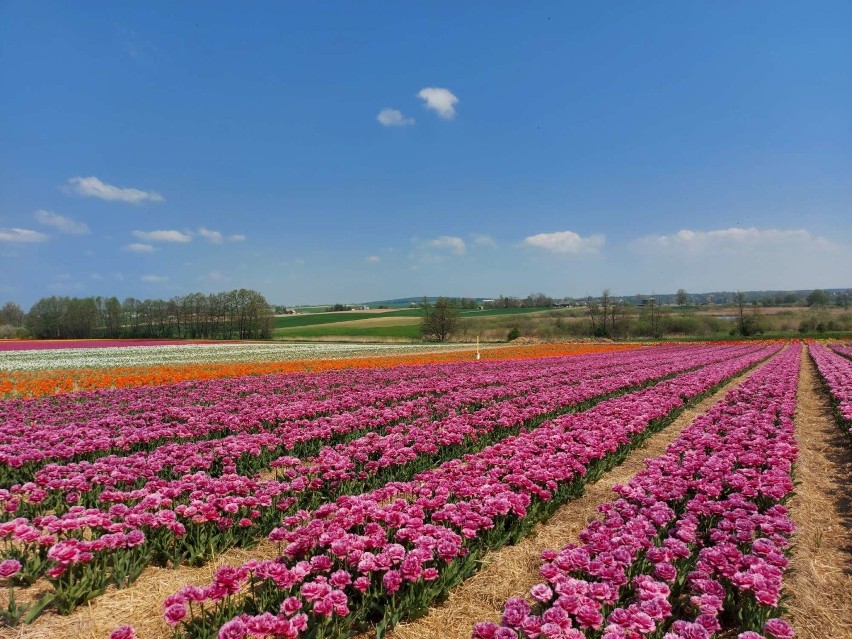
218, 493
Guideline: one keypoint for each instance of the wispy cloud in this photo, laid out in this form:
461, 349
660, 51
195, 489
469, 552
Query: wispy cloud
139, 247
137, 47
93, 187
21, 236
441, 101
565, 243
373, 259
730, 239
214, 237
163, 236
484, 240
154, 279
392, 117
448, 242
217, 237
60, 223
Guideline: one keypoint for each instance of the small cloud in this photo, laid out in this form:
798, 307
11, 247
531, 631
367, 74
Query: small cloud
93, 187
154, 279
163, 236
215, 276
21, 236
64, 283
119, 277
136, 47
60, 223
441, 101
565, 243
484, 240
392, 117
373, 259
238, 237
138, 247
97, 277
214, 237
700, 242
454, 244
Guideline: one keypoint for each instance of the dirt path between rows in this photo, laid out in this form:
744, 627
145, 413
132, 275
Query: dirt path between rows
512, 571
820, 580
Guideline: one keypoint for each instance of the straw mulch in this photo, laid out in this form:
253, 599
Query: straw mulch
820, 583
512, 571
140, 605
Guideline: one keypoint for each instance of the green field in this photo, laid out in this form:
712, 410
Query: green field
411, 331
323, 325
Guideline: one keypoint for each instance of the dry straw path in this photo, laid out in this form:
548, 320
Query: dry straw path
821, 581
512, 571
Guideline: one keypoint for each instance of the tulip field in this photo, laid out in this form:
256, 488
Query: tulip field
362, 491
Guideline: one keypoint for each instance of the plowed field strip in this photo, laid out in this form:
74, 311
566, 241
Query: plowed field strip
820, 582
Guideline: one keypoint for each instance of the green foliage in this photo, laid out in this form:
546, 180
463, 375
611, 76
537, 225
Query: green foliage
514, 334
440, 320
817, 297
237, 314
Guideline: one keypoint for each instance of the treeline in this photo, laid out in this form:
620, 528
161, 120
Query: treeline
533, 300
237, 314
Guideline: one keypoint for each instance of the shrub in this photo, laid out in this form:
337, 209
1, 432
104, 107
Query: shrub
513, 334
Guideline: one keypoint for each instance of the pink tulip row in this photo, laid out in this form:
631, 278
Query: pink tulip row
247, 452
186, 518
55, 484
836, 372
696, 543
387, 553
844, 349
94, 424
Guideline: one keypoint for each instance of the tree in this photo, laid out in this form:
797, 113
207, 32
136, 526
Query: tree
739, 300
680, 297
440, 320
655, 318
12, 315
817, 297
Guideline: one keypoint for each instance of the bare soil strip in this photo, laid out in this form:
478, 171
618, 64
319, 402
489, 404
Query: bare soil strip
513, 570
820, 582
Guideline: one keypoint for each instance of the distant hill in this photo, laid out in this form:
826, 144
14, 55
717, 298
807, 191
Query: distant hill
711, 297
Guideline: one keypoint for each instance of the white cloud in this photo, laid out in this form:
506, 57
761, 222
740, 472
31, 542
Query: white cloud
60, 223
373, 259
154, 279
97, 277
21, 236
484, 240
163, 236
392, 117
93, 187
454, 244
214, 237
216, 276
238, 237
441, 101
731, 239
565, 243
139, 247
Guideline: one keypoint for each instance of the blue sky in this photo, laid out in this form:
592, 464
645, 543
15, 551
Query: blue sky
366, 150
